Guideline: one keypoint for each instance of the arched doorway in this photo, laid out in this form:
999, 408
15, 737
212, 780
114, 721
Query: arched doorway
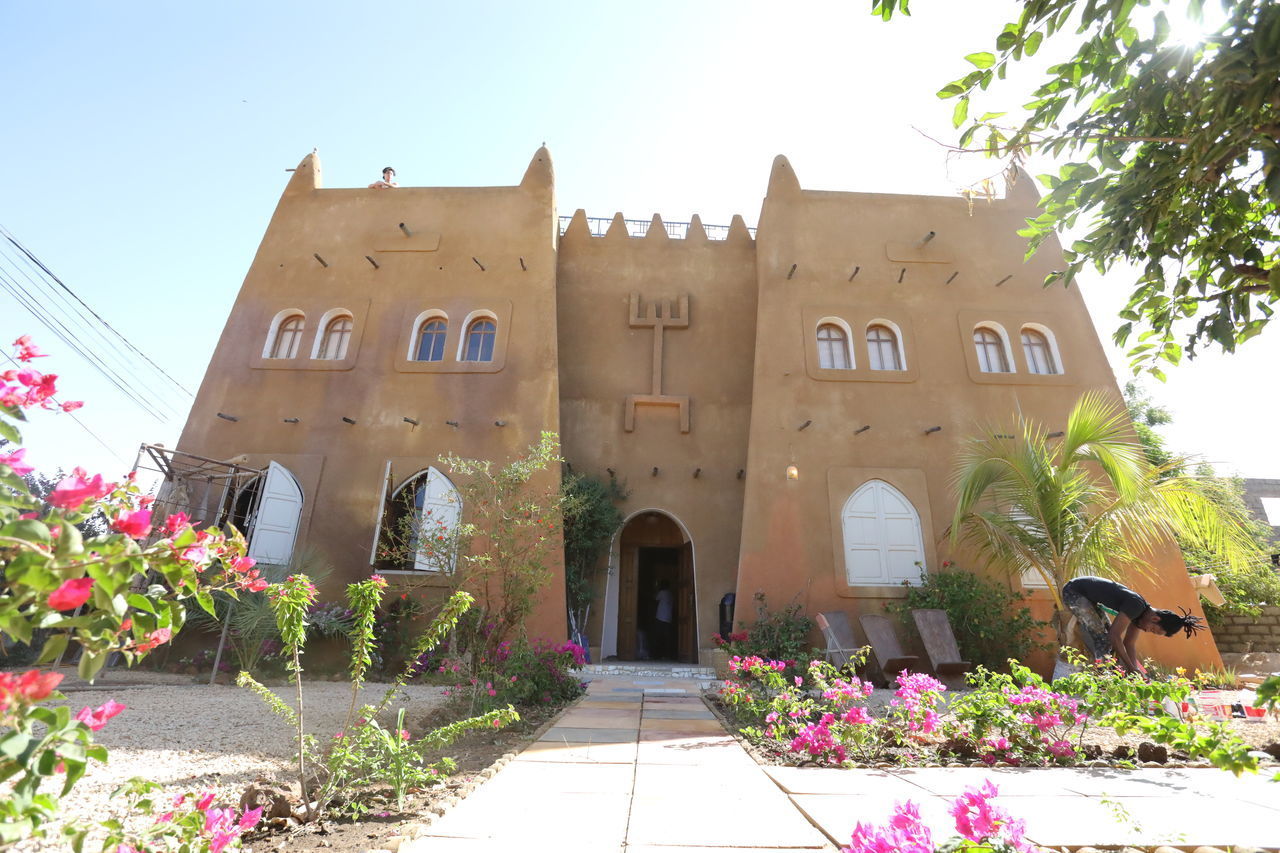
655, 577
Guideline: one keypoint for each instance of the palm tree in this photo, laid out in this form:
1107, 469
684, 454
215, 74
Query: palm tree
1088, 502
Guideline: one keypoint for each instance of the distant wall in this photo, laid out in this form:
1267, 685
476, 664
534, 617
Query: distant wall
1250, 633
1254, 491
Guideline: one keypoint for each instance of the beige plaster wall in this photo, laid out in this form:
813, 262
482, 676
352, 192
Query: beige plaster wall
510, 231
809, 245
603, 359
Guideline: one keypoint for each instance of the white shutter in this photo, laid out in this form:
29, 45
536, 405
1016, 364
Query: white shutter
882, 537
379, 512
440, 505
276, 526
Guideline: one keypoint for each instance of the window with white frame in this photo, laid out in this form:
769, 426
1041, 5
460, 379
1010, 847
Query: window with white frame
991, 351
883, 542
1039, 353
882, 348
288, 337
479, 341
336, 338
833, 348
430, 340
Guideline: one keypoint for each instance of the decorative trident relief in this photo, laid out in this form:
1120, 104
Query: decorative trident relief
663, 318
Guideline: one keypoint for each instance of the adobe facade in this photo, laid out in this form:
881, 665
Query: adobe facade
783, 407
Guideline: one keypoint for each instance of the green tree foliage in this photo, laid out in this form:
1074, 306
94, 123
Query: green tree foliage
1172, 150
1245, 587
591, 516
1087, 503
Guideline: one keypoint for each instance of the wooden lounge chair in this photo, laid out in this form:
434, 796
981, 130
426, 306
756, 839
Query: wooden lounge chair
940, 643
841, 648
885, 647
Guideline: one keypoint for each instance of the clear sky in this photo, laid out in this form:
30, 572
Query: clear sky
146, 146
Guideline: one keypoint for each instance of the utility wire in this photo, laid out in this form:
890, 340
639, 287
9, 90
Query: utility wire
83, 341
80, 423
95, 314
70, 339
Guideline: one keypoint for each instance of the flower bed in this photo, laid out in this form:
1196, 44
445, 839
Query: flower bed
820, 715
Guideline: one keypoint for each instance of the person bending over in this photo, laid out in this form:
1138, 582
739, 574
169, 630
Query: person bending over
1084, 595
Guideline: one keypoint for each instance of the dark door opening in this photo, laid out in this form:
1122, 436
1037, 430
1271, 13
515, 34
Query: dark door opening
656, 573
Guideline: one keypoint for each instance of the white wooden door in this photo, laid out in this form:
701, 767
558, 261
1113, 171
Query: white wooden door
275, 527
882, 537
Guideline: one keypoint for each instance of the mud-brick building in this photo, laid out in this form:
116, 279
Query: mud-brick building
783, 406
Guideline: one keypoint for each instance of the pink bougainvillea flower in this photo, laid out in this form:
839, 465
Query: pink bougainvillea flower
97, 718
71, 594
242, 564
177, 521
195, 554
250, 819
379, 581
204, 802
158, 637
27, 350
73, 491
36, 685
135, 524
72, 405
15, 461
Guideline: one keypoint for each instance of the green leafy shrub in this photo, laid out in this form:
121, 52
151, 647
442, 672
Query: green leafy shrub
781, 635
990, 621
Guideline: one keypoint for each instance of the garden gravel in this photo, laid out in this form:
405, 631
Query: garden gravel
193, 737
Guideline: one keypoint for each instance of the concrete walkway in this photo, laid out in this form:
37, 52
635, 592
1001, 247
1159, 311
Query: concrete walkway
642, 765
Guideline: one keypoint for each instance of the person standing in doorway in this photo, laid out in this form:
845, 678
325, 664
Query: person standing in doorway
664, 623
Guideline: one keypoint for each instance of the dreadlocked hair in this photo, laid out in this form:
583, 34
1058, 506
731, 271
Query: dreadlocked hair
1171, 623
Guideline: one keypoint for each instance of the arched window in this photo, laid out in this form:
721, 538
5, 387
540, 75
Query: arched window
1039, 353
882, 348
425, 515
478, 345
833, 348
335, 339
431, 335
288, 337
991, 354
883, 543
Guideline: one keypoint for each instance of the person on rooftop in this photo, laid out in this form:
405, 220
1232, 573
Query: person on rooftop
386, 183
1086, 595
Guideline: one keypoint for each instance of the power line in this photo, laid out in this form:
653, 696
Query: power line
56, 326
95, 314
82, 424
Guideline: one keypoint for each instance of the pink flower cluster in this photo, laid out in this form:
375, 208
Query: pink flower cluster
904, 833
755, 662
917, 695
26, 689
220, 825
578, 652
818, 740
29, 386
979, 822
96, 718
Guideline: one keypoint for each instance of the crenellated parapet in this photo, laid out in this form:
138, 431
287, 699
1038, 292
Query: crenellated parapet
580, 226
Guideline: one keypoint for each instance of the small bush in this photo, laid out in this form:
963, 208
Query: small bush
783, 635
990, 621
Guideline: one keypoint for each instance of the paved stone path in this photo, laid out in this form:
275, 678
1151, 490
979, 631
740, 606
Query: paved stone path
641, 764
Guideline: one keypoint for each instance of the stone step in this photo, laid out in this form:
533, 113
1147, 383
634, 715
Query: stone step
672, 672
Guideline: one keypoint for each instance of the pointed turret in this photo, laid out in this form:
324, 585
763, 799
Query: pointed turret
540, 174
306, 177
738, 232
578, 228
696, 233
1020, 188
657, 231
617, 228
782, 179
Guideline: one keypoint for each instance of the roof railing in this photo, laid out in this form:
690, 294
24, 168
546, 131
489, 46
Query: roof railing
599, 226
